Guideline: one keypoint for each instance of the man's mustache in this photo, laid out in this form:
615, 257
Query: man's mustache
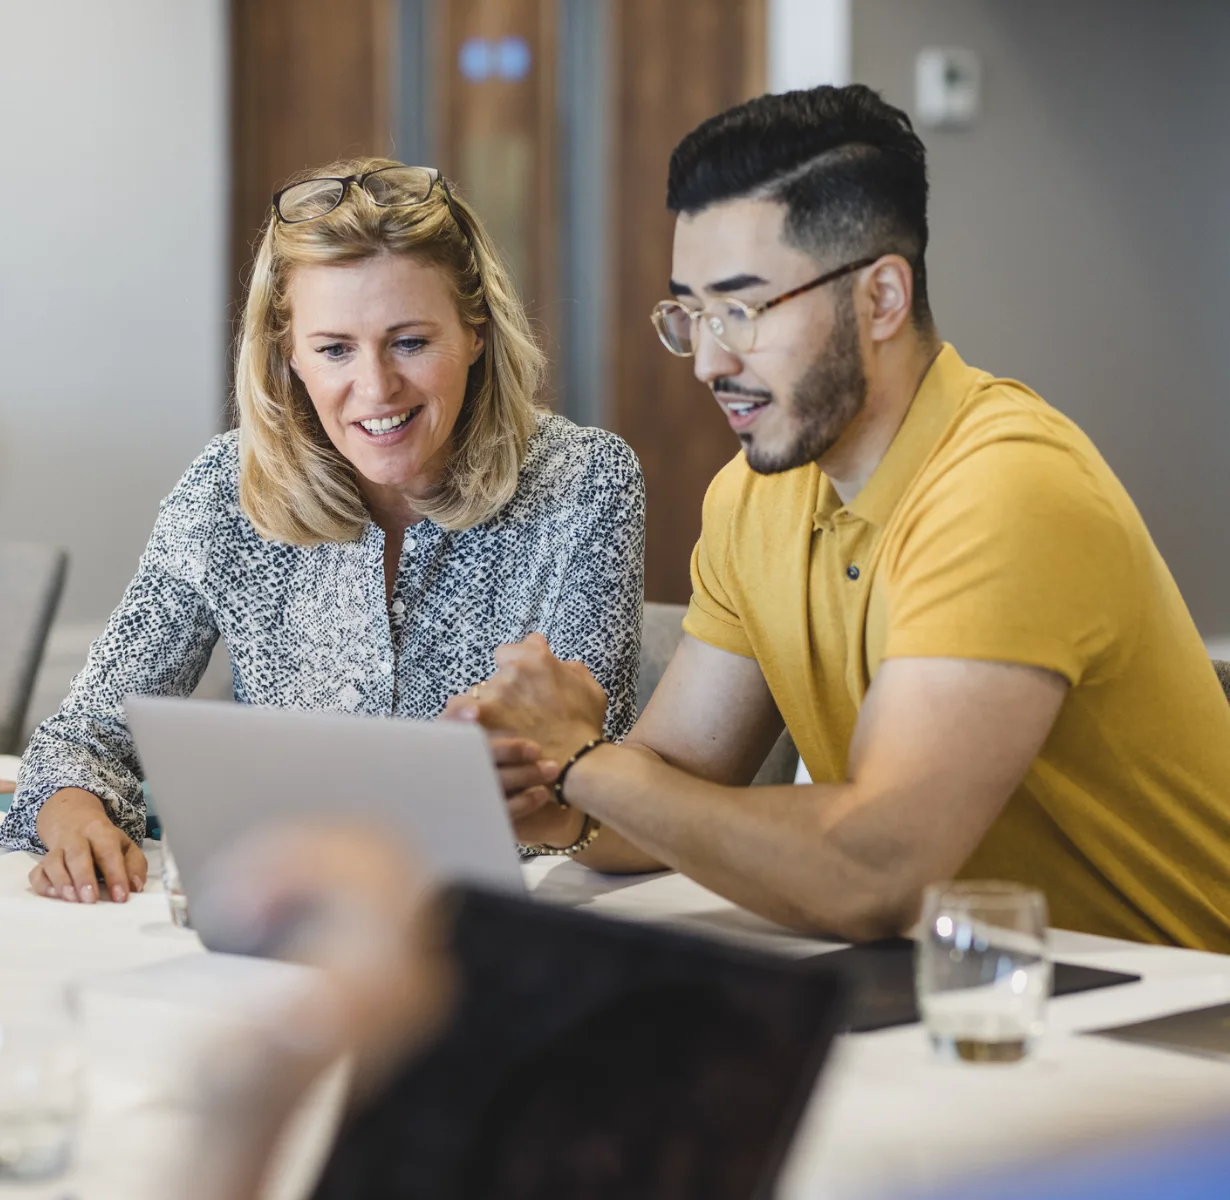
725, 387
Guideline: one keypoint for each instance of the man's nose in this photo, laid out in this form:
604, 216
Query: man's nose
712, 361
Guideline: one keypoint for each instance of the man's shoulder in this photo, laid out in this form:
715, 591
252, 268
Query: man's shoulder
1007, 438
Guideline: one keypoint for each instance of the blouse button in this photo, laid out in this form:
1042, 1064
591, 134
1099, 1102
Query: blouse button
398, 607
386, 668
852, 572
412, 542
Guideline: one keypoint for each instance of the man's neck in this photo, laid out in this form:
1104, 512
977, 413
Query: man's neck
898, 371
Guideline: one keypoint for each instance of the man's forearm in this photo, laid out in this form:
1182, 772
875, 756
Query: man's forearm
796, 855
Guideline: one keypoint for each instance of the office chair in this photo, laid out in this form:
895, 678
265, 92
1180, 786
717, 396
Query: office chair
662, 632
31, 580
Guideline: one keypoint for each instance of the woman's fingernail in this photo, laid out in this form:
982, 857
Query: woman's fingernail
117, 894
549, 768
138, 884
67, 892
87, 893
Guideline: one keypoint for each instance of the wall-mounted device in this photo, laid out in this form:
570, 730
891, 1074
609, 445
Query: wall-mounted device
947, 87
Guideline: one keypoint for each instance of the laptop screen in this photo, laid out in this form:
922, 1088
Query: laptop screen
589, 1058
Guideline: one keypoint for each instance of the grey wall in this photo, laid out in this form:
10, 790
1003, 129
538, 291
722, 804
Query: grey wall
1081, 234
113, 254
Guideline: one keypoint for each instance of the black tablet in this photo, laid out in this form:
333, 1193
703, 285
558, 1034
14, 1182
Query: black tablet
596, 1060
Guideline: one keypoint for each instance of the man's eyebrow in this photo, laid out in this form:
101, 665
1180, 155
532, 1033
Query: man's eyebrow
734, 283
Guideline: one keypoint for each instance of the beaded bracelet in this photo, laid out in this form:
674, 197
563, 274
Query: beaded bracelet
558, 789
589, 830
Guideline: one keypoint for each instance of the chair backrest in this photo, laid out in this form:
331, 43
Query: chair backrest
31, 579
662, 633
1223, 674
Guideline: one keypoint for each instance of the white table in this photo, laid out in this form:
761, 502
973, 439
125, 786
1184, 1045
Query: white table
887, 1118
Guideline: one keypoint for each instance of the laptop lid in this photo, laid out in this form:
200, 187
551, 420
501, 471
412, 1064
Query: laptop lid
592, 1057
218, 771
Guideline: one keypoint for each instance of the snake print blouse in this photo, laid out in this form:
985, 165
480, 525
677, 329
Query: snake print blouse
308, 627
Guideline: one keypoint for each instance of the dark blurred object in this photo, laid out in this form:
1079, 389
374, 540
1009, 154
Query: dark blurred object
596, 1060
1223, 675
1194, 1165
31, 580
661, 633
880, 978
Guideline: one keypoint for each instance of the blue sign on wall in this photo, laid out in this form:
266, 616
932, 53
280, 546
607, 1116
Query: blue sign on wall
507, 58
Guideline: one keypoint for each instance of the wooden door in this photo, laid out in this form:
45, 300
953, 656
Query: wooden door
310, 83
494, 107
675, 65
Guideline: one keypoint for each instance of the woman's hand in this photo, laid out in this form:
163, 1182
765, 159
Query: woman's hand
82, 843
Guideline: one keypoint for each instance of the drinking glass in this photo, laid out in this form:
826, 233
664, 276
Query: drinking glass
982, 970
39, 1085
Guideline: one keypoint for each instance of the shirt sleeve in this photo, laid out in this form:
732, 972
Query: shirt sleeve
157, 642
713, 615
598, 617
1016, 555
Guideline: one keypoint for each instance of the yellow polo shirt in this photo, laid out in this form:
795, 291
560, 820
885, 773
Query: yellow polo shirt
993, 530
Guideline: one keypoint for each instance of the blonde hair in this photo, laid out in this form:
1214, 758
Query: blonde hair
293, 484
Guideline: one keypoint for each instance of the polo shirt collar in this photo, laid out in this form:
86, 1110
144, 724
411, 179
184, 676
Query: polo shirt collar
947, 382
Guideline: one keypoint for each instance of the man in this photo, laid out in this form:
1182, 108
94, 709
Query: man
931, 575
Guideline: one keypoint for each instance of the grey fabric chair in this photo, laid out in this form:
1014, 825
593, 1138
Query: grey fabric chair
31, 579
1223, 674
663, 630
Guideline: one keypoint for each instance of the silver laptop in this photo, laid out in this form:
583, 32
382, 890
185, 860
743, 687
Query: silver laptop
219, 771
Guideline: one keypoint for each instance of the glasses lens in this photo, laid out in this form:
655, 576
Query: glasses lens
731, 324
674, 325
311, 199
398, 185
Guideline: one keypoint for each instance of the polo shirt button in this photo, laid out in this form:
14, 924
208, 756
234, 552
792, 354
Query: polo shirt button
852, 572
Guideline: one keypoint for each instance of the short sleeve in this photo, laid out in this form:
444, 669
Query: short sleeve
713, 615
1015, 554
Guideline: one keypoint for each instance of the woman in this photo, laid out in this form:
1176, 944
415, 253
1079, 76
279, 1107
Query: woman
391, 509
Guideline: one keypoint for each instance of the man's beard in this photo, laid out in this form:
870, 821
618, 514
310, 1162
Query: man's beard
826, 400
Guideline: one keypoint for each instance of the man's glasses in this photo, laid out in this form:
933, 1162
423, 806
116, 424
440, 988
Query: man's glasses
389, 187
731, 322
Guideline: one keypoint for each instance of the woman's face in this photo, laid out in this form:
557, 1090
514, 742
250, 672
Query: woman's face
384, 357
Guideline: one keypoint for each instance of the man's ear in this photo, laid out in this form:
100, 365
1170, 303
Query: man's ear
890, 286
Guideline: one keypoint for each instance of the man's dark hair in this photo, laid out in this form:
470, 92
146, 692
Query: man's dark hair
848, 167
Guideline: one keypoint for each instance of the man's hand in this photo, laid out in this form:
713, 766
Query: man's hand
81, 841
558, 705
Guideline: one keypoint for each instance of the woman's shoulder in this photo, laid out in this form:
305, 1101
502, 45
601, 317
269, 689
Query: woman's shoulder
207, 492
562, 457
217, 465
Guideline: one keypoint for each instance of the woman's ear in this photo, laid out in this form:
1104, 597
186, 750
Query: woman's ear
294, 366
480, 344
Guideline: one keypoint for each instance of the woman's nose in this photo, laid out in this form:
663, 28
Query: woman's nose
376, 381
